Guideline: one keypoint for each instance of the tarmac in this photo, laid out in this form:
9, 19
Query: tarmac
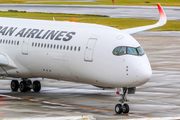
160, 97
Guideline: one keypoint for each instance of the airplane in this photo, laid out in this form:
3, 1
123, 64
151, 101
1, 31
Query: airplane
93, 54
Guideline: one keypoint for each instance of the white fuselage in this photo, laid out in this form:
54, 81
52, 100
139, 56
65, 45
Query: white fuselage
77, 52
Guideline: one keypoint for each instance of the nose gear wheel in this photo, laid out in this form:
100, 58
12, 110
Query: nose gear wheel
122, 107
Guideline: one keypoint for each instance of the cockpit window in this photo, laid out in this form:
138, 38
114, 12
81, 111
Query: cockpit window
122, 50
116, 51
132, 51
140, 51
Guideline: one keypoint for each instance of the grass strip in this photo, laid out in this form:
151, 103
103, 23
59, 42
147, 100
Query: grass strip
102, 2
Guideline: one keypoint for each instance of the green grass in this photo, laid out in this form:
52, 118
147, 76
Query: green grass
104, 2
120, 23
24, 14
24, 1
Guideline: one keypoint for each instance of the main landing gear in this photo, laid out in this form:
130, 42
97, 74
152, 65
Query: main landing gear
25, 85
122, 107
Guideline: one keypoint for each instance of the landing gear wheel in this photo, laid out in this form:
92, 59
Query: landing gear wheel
118, 109
125, 108
14, 85
23, 86
29, 84
36, 86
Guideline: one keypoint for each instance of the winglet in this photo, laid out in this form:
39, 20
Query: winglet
162, 21
162, 15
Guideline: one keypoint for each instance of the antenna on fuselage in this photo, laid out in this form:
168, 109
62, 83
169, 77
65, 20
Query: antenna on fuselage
54, 19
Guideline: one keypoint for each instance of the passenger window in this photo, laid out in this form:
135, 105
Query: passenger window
44, 45
3, 41
6, 41
71, 47
61, 47
64, 47
116, 51
48, 46
79, 48
132, 51
57, 46
74, 48
9, 41
54, 46
0, 40
33, 44
67, 47
51, 45
12, 42
38, 44
17, 42
41, 44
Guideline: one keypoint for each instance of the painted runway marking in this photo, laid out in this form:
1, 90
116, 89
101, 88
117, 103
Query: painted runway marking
62, 104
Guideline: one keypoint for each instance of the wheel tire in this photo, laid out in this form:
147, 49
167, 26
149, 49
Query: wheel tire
125, 108
29, 83
23, 86
14, 85
36, 86
118, 109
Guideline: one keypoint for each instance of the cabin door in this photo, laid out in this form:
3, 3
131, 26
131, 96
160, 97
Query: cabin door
25, 47
90, 49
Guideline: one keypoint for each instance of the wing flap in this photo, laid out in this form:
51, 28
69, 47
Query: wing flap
162, 21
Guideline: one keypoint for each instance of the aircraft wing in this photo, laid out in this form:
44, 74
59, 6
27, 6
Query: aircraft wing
161, 22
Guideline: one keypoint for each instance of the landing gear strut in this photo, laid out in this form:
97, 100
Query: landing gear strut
122, 107
29, 83
25, 85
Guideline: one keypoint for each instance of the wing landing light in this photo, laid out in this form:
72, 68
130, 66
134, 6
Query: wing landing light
162, 21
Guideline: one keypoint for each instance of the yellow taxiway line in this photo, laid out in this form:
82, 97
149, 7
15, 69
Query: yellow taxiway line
62, 104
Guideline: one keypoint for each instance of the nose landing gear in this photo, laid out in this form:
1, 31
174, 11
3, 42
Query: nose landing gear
122, 107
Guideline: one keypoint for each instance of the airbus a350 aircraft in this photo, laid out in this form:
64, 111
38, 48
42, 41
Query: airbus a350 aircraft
86, 53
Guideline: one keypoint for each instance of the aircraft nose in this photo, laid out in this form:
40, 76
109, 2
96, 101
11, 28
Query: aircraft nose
144, 73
